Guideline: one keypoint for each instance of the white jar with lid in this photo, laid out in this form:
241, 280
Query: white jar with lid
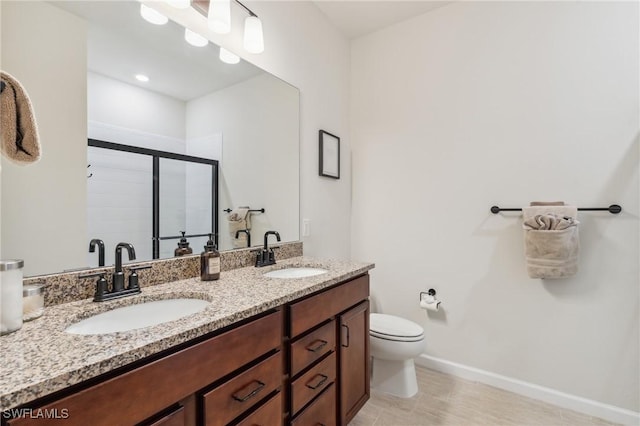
10, 295
32, 301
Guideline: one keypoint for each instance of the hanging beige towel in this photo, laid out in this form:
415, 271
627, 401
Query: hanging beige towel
239, 219
551, 241
20, 142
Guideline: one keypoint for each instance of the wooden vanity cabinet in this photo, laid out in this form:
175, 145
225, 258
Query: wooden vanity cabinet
305, 363
329, 354
137, 396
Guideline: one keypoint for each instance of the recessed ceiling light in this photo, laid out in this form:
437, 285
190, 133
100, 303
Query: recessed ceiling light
194, 39
141, 77
152, 15
228, 57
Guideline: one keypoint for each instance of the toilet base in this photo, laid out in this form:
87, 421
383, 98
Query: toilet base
397, 378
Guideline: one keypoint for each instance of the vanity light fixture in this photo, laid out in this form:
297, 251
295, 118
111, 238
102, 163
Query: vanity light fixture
253, 39
179, 4
228, 57
218, 13
219, 17
194, 38
152, 15
141, 77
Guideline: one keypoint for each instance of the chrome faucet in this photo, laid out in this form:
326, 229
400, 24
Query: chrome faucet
266, 256
92, 249
246, 231
118, 275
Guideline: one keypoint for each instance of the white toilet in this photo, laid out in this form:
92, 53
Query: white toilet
395, 342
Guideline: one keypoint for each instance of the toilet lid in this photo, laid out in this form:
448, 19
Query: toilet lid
391, 327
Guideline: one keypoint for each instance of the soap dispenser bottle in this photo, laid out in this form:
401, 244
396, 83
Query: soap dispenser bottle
183, 246
210, 262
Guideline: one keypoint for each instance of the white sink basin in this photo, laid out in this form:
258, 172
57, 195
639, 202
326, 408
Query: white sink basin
295, 272
138, 316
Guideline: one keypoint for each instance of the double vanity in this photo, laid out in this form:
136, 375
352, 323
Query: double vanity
283, 344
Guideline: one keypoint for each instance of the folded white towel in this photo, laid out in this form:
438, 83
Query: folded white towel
549, 222
562, 211
551, 241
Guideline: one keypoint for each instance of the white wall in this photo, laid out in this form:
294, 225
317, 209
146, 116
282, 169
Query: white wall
259, 162
302, 48
482, 103
131, 107
33, 192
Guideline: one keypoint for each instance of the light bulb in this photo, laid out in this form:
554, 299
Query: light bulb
194, 39
228, 57
219, 18
141, 77
152, 15
179, 4
253, 38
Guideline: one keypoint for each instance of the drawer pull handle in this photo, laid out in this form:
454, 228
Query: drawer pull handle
320, 345
347, 328
323, 379
251, 394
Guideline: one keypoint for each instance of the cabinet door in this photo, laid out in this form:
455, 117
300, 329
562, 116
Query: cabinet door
354, 361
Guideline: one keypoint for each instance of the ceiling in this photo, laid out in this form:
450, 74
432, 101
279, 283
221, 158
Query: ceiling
355, 18
121, 44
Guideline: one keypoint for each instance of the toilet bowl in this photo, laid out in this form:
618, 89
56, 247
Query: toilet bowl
394, 343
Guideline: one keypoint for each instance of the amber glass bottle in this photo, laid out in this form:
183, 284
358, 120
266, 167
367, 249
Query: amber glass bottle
210, 262
183, 247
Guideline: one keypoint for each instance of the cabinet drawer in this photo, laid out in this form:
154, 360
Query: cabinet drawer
311, 383
270, 414
312, 347
174, 418
322, 411
229, 400
316, 309
144, 391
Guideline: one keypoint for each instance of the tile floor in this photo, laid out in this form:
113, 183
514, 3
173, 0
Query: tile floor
448, 400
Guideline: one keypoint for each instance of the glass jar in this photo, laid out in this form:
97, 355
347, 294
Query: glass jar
10, 295
32, 301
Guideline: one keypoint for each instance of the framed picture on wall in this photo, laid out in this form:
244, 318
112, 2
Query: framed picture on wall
329, 155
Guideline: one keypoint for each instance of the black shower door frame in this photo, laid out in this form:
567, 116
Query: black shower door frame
156, 156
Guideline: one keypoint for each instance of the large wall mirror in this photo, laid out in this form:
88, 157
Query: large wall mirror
78, 61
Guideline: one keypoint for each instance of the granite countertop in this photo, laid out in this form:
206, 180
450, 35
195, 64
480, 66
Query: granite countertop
42, 358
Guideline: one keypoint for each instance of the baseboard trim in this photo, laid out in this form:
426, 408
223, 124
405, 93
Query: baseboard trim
530, 390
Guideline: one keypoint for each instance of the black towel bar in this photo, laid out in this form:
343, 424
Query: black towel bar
251, 210
185, 236
613, 209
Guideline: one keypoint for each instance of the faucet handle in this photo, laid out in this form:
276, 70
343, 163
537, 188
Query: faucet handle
102, 286
133, 278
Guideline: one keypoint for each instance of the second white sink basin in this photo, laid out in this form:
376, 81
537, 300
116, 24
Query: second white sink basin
138, 316
295, 272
